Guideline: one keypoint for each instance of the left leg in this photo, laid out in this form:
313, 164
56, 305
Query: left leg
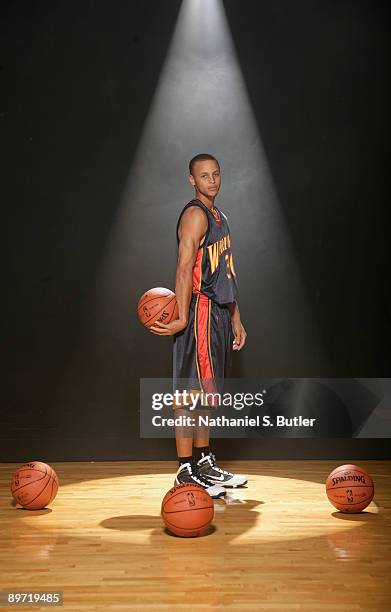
219, 349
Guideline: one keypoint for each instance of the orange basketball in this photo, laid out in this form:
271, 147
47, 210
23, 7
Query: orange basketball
157, 304
349, 488
34, 485
187, 510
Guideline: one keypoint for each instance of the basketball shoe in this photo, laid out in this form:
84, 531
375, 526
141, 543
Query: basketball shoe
212, 473
187, 472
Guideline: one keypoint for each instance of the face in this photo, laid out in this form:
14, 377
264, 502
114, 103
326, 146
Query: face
206, 177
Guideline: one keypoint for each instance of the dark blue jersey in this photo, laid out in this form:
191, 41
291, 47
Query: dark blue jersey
213, 272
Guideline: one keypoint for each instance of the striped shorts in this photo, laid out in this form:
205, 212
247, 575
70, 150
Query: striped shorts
202, 352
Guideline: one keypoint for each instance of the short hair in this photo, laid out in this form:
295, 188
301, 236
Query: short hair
201, 157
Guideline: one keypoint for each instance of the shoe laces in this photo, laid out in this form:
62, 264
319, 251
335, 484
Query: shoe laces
212, 461
196, 477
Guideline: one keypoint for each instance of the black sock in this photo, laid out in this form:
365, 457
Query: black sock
200, 451
182, 460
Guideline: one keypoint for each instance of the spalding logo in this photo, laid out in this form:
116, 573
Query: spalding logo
163, 316
348, 477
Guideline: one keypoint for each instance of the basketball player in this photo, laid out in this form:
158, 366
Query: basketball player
208, 327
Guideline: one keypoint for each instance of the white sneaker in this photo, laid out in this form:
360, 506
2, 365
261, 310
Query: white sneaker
189, 473
212, 473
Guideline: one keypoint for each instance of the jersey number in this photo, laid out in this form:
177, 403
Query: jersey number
230, 265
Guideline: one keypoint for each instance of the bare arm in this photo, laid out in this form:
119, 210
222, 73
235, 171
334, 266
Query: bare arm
193, 226
240, 333
234, 310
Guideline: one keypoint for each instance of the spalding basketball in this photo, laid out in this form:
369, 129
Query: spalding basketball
157, 304
187, 510
34, 485
349, 488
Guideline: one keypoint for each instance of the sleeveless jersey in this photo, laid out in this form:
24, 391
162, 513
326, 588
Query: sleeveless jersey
213, 271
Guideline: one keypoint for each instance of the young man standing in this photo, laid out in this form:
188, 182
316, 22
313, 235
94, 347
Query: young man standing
208, 327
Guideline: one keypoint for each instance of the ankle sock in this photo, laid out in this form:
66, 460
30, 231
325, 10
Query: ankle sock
182, 460
200, 451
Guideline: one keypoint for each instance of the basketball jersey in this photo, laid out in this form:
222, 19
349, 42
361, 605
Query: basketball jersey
213, 271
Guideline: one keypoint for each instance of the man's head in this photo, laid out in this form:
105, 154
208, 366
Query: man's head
205, 174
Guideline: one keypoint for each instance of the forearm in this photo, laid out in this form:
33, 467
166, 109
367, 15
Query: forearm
234, 310
183, 291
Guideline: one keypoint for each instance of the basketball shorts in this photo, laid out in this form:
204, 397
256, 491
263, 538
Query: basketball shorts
202, 352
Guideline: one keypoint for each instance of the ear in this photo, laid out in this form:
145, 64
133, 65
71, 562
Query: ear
191, 179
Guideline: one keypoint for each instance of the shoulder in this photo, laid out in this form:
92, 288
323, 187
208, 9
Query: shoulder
193, 214
193, 222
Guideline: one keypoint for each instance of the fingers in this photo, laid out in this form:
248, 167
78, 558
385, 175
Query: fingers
159, 328
239, 342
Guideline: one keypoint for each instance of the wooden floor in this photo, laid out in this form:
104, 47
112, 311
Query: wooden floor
277, 544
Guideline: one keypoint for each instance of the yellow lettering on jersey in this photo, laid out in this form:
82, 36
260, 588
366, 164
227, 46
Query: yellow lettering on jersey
231, 265
228, 268
213, 256
216, 249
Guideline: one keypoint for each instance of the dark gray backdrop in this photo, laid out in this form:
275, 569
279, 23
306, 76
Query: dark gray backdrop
78, 80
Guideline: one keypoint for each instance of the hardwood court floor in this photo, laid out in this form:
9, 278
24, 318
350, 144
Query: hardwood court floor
276, 545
